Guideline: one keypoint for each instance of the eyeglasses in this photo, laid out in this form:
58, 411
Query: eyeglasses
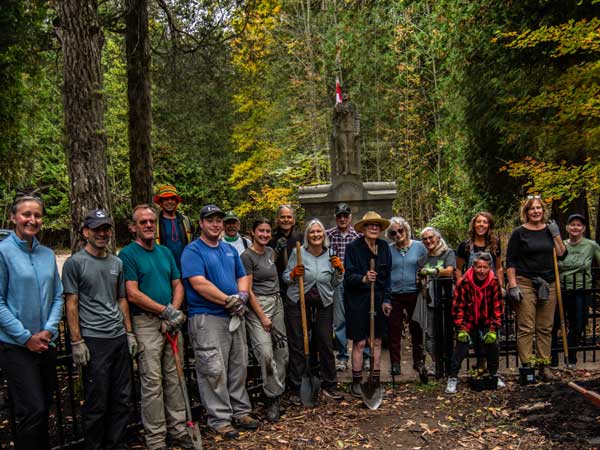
529, 197
427, 238
373, 225
394, 232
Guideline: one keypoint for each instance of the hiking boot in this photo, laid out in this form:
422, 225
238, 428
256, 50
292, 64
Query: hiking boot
395, 369
332, 393
247, 422
501, 384
273, 413
451, 386
227, 431
294, 399
356, 390
341, 365
183, 441
546, 374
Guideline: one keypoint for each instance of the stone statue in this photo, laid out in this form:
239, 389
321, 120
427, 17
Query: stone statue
345, 154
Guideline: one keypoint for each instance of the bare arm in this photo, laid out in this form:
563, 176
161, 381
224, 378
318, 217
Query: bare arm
72, 307
124, 307
208, 290
460, 263
559, 245
499, 270
255, 306
446, 272
243, 284
141, 300
178, 293
511, 273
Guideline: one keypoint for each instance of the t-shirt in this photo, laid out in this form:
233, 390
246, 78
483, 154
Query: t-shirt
464, 252
240, 243
154, 270
221, 265
579, 262
404, 267
262, 268
99, 284
173, 239
448, 258
529, 252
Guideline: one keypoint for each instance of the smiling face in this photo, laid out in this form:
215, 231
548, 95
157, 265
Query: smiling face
212, 226
231, 227
430, 240
481, 269
316, 235
262, 234
397, 234
169, 204
98, 238
144, 224
481, 225
535, 213
343, 220
286, 219
27, 219
575, 228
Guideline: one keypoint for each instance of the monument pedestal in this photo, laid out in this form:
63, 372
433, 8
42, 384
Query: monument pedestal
320, 201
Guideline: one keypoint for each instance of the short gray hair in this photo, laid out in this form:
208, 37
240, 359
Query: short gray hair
441, 246
402, 223
483, 256
310, 223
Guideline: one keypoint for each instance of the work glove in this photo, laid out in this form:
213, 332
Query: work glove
173, 317
463, 337
336, 263
81, 353
132, 344
515, 294
489, 337
297, 271
281, 244
553, 228
244, 296
235, 306
427, 271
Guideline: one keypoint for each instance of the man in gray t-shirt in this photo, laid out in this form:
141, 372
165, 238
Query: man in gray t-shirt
97, 310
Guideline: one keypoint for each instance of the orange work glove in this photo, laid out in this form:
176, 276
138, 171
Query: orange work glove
336, 262
297, 271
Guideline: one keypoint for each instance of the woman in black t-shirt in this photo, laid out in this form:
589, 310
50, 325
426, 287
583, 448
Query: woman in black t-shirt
482, 238
531, 283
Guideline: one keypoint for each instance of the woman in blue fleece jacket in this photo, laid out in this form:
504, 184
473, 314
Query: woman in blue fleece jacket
30, 309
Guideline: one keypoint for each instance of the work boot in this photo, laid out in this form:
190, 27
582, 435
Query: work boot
184, 442
227, 431
247, 422
272, 414
546, 374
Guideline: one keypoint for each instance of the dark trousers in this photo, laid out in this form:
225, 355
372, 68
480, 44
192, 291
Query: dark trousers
107, 387
403, 306
31, 379
461, 350
576, 305
321, 335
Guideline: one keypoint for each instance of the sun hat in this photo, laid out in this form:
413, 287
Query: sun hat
166, 191
369, 217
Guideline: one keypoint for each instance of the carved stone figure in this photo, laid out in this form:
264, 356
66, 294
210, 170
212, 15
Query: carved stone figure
345, 155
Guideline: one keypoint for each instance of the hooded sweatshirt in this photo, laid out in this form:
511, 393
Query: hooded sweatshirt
477, 304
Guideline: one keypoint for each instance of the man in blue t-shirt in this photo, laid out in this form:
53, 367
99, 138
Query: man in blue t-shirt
216, 288
155, 293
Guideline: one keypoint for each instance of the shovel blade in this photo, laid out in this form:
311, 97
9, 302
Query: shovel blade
372, 394
309, 390
194, 434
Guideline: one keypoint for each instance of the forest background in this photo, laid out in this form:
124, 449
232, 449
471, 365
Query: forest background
466, 105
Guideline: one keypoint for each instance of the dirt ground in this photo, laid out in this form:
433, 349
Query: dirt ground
415, 416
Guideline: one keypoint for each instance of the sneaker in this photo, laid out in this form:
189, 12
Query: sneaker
366, 364
395, 369
451, 386
341, 365
247, 422
501, 384
227, 431
356, 390
332, 393
183, 441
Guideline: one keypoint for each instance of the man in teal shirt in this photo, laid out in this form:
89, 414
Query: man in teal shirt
155, 292
576, 280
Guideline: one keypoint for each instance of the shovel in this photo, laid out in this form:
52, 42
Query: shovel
561, 312
311, 385
372, 394
190, 426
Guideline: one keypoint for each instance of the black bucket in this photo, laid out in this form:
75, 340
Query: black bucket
526, 375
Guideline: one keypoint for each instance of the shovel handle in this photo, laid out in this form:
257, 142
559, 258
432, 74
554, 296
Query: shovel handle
172, 338
302, 301
372, 305
561, 311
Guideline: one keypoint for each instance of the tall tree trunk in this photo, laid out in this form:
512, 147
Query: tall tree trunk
82, 40
139, 97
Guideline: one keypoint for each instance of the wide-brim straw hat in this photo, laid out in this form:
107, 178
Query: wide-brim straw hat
371, 216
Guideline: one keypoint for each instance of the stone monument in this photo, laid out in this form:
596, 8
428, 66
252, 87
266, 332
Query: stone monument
346, 181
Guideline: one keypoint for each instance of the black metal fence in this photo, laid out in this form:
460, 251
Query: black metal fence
587, 343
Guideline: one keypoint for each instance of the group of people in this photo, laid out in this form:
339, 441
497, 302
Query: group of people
244, 296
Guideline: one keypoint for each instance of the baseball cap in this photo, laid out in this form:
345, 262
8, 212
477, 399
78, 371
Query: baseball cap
96, 218
578, 217
342, 208
230, 215
210, 210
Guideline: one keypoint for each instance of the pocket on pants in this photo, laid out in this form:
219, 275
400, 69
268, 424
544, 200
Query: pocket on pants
208, 362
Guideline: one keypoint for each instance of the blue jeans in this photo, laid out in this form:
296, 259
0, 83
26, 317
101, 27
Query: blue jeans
339, 323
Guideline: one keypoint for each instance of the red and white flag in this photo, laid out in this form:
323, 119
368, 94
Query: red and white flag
338, 91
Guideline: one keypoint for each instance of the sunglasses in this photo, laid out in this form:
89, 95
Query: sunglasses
427, 238
394, 232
